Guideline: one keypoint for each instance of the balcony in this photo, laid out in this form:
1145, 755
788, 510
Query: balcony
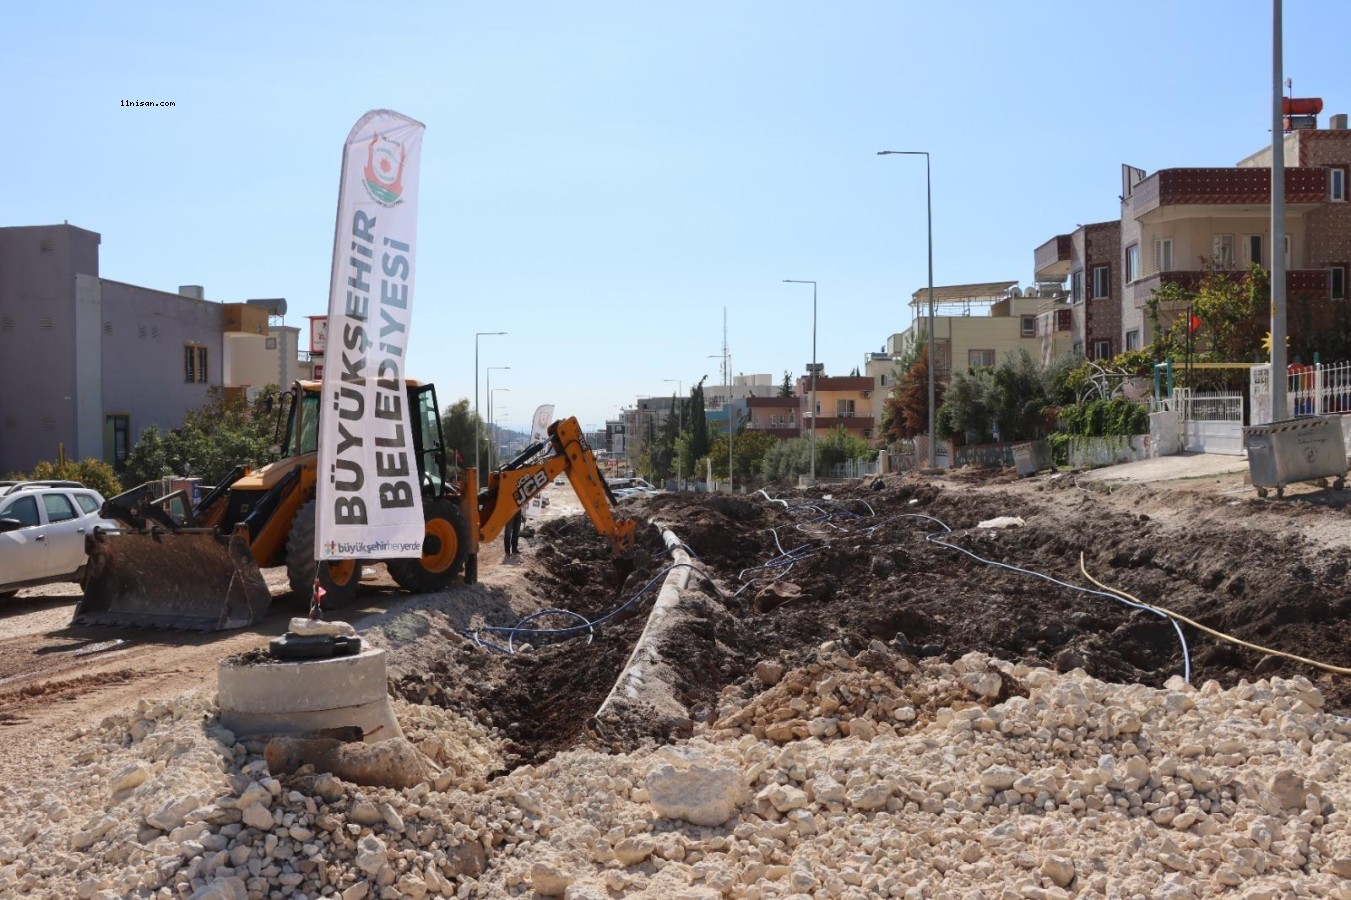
1184, 193
782, 432
1298, 282
1051, 261
848, 423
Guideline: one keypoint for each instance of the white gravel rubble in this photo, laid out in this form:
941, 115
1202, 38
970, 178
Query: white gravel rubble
846, 778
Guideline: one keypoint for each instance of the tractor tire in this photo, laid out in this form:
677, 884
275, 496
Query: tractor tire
444, 547
338, 578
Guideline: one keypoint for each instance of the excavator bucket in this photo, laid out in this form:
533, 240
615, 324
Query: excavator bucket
186, 580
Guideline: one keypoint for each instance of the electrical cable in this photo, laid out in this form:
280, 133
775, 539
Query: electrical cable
1327, 667
935, 538
588, 626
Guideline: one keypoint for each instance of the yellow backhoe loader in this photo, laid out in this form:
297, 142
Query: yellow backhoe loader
178, 565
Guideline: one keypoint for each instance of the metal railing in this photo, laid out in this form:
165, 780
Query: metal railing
1209, 406
1318, 390
855, 468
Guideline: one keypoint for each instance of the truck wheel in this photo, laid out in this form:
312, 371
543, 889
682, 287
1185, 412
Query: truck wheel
444, 546
339, 577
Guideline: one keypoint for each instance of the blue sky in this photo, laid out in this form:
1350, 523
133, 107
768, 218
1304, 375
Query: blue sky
601, 180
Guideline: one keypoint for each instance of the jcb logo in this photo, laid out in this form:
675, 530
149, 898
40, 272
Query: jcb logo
529, 487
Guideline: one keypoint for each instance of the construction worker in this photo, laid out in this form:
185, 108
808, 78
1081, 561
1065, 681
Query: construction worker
511, 536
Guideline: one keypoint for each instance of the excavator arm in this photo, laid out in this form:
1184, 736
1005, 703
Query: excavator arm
511, 487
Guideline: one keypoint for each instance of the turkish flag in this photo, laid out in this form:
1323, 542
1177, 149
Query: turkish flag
1194, 324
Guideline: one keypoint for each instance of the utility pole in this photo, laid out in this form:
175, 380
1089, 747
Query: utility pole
1279, 381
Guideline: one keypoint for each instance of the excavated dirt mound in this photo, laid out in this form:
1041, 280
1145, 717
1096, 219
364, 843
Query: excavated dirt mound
863, 569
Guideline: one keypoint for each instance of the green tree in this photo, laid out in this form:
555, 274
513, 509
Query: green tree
1012, 400
786, 388
1229, 309
748, 452
786, 460
215, 438
967, 413
1019, 398
840, 446
92, 473
698, 422
459, 425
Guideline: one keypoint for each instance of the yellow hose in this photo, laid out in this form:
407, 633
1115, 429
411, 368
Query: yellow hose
1336, 670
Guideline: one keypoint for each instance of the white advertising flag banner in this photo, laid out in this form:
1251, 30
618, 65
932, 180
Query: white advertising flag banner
544, 415
369, 504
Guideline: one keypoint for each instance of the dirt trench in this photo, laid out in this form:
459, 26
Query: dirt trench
865, 569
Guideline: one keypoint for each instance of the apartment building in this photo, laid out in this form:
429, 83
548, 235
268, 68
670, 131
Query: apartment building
781, 417
642, 423
880, 368
842, 401
1090, 258
1177, 222
718, 398
975, 325
88, 362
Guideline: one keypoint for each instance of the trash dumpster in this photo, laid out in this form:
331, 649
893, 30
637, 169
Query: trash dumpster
1304, 449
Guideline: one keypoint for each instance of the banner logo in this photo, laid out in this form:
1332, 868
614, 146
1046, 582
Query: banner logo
384, 171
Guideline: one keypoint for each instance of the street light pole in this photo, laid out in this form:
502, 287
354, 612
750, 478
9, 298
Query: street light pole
933, 362
478, 422
493, 415
813, 400
680, 424
489, 371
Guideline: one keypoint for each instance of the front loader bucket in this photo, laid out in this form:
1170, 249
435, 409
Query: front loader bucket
192, 581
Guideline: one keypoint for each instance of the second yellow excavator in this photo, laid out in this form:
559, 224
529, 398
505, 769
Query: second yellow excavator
178, 565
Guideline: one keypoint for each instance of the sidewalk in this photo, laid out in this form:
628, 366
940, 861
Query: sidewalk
1170, 468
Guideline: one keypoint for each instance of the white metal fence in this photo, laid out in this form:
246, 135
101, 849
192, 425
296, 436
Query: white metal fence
1316, 390
1209, 406
1208, 421
855, 468
1320, 390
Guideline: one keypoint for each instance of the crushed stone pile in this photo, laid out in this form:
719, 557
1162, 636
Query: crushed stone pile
858, 775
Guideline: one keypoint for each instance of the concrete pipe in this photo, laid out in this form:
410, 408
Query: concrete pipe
294, 697
646, 678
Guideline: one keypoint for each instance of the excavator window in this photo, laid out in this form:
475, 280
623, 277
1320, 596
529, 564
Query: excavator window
305, 415
427, 438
